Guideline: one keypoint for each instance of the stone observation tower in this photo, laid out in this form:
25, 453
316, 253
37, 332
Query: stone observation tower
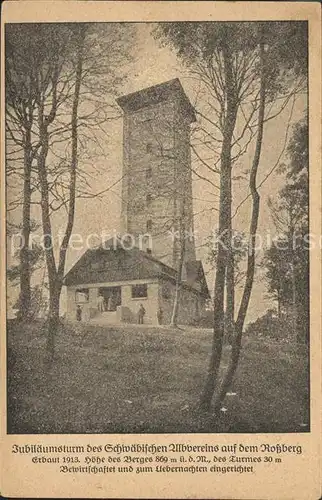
157, 183
110, 283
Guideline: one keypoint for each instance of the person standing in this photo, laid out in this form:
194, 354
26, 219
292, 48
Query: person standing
110, 303
100, 303
160, 315
141, 313
79, 313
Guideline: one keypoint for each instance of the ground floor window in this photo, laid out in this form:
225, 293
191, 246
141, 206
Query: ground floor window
81, 295
139, 291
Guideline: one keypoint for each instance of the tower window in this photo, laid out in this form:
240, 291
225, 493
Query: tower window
148, 199
149, 148
149, 225
149, 172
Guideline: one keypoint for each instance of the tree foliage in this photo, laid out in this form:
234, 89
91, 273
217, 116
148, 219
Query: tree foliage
247, 73
287, 260
60, 85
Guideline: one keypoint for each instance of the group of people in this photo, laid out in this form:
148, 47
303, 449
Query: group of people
108, 306
101, 305
105, 305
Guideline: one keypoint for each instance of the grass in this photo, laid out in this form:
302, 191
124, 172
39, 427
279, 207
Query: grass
129, 380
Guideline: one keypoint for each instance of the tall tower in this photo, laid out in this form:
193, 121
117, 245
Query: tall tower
157, 181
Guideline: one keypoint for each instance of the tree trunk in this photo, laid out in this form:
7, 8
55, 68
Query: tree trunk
25, 287
80, 34
294, 296
219, 313
279, 303
56, 275
176, 302
303, 305
230, 289
292, 264
236, 347
224, 233
53, 320
54, 290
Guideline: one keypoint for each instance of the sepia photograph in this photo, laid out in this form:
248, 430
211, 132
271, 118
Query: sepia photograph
157, 227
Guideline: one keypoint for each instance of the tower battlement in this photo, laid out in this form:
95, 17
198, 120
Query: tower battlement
156, 94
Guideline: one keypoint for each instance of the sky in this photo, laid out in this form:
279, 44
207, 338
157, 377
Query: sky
151, 65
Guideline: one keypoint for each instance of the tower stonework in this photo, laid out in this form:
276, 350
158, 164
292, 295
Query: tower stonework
157, 181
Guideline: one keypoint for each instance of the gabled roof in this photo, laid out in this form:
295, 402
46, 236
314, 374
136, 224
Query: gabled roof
112, 262
155, 94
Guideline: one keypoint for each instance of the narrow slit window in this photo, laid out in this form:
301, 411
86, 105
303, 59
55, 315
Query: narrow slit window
149, 172
149, 225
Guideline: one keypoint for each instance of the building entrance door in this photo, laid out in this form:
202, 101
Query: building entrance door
112, 297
